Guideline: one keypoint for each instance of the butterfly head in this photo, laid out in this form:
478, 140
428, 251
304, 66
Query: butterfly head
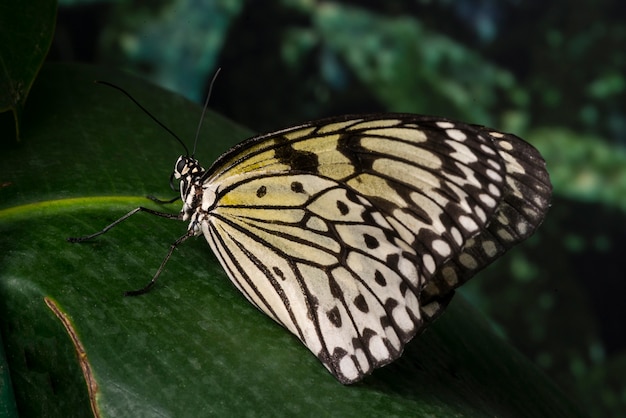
186, 169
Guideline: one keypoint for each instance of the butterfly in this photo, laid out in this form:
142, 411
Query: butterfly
352, 232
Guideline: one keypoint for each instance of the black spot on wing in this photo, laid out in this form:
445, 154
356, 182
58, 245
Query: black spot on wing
342, 207
361, 304
297, 187
392, 261
380, 279
370, 241
296, 159
334, 316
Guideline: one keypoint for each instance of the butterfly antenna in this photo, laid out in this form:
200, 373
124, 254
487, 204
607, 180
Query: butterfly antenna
206, 104
146, 112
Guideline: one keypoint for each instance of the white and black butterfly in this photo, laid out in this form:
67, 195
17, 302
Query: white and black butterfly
352, 232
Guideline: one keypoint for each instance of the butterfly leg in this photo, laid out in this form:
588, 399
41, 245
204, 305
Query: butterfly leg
122, 219
163, 202
149, 286
167, 257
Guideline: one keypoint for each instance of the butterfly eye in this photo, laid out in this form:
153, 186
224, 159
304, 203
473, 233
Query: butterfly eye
181, 164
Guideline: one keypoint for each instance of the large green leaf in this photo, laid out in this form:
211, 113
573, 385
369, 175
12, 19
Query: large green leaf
193, 346
26, 30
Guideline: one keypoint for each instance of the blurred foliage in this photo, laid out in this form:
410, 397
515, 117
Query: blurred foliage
583, 167
26, 31
550, 72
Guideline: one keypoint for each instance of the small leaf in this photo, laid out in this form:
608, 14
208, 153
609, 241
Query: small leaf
26, 32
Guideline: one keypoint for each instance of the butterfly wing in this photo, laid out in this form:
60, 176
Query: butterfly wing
352, 232
521, 210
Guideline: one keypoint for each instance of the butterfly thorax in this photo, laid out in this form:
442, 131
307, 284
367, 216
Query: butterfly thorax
192, 192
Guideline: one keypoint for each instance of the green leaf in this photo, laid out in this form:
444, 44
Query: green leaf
193, 346
26, 31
